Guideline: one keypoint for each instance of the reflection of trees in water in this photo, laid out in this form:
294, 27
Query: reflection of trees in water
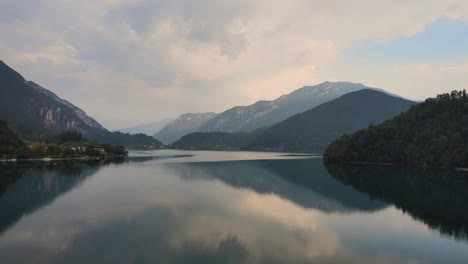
438, 198
305, 182
25, 187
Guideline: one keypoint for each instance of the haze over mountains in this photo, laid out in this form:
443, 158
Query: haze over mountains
183, 125
33, 111
147, 129
306, 119
265, 113
260, 114
311, 130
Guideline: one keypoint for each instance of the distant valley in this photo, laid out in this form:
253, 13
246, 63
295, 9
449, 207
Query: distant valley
147, 129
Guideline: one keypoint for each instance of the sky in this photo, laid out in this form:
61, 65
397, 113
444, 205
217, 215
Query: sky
129, 62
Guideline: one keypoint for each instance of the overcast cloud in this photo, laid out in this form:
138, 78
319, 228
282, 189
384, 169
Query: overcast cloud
136, 61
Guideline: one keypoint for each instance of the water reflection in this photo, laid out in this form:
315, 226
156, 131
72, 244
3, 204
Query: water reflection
305, 182
147, 210
29, 186
437, 197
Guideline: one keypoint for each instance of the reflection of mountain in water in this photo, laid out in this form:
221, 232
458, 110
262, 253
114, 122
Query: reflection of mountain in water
302, 181
438, 198
27, 187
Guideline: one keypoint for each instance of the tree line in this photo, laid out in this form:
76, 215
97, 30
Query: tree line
432, 133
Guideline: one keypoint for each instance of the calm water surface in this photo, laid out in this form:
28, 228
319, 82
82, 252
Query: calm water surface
230, 207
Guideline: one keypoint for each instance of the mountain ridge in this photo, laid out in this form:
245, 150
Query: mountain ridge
183, 125
311, 130
265, 112
148, 128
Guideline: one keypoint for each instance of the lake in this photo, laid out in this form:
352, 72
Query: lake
230, 207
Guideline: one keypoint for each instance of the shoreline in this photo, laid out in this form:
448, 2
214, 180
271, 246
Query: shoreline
463, 169
48, 159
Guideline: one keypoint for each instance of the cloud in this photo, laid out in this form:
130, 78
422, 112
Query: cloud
162, 58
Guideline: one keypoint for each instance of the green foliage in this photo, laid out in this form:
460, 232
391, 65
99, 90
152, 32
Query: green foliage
115, 151
69, 136
213, 141
137, 141
71, 145
433, 133
9, 142
54, 151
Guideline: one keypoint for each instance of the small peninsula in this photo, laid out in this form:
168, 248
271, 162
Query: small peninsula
67, 145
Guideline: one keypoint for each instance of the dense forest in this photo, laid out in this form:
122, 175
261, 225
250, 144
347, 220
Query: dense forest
136, 141
432, 133
213, 141
9, 142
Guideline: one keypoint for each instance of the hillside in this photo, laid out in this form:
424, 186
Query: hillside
214, 141
9, 142
148, 129
266, 113
312, 130
316, 128
433, 133
33, 111
183, 125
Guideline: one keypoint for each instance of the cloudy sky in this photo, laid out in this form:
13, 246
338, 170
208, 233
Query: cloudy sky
128, 62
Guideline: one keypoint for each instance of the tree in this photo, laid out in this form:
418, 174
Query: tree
433, 133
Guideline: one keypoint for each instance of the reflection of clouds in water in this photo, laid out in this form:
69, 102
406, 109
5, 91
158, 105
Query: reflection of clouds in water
201, 213
149, 213
278, 210
185, 156
266, 232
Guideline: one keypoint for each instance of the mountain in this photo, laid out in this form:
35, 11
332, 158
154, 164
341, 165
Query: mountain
183, 125
266, 113
33, 111
311, 130
148, 129
316, 128
432, 133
